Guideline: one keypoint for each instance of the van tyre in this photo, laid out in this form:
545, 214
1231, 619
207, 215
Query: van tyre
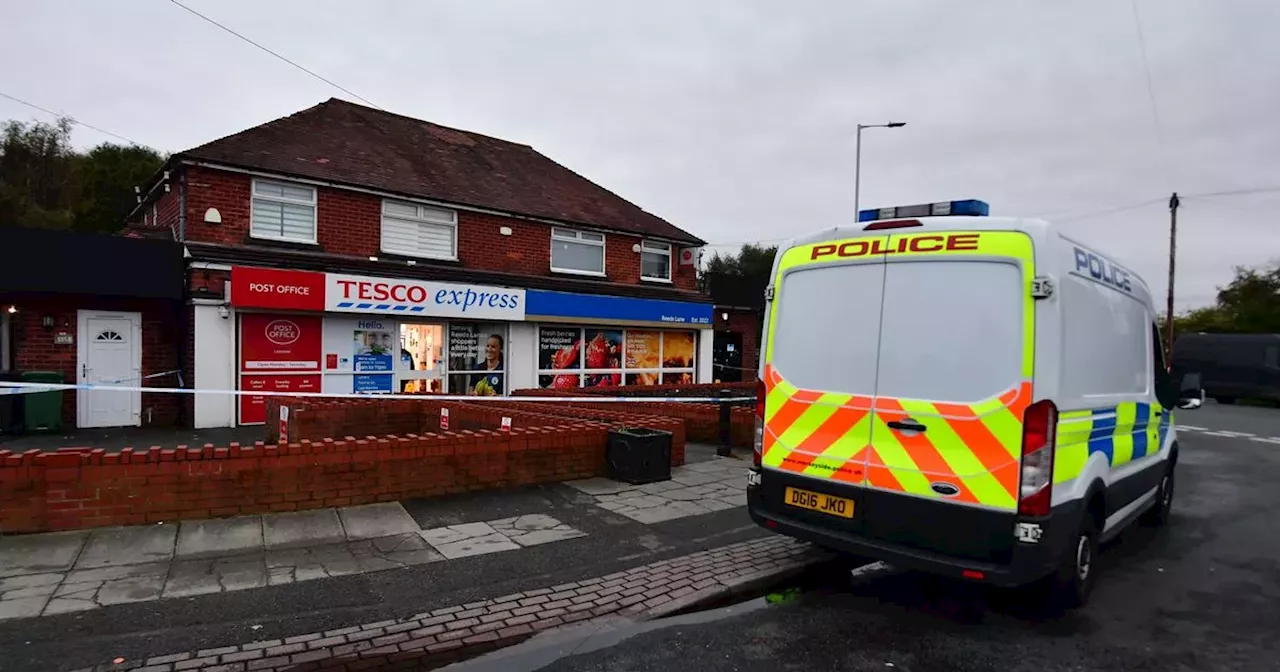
1158, 514
1071, 585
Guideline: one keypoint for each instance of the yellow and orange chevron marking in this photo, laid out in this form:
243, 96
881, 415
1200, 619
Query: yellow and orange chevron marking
974, 447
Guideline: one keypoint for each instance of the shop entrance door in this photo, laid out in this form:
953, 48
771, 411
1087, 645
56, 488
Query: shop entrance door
727, 356
420, 366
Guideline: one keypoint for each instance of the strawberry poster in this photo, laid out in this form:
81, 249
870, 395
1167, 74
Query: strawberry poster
603, 350
559, 349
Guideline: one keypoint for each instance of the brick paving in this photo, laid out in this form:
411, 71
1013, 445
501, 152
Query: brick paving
449, 633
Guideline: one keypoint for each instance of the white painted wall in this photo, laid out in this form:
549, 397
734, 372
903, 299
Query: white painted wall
215, 351
706, 340
522, 362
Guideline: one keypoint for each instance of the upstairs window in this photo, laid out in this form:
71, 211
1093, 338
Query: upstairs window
417, 230
579, 252
655, 261
283, 211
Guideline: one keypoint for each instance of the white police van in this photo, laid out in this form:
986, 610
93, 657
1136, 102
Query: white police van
974, 396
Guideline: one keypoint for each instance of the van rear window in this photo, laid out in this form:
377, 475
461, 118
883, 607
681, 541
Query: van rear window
827, 329
952, 330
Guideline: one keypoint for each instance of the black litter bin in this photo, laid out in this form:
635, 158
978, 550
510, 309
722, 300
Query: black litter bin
11, 403
638, 455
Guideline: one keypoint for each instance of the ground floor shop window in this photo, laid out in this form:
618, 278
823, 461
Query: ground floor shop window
571, 357
477, 358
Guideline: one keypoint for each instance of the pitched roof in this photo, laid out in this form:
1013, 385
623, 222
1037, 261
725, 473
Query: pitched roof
345, 143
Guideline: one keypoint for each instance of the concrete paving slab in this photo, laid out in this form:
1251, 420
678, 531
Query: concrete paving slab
110, 547
132, 589
26, 607
534, 529
460, 541
219, 537
200, 577
119, 572
63, 605
40, 553
371, 521
599, 486
301, 528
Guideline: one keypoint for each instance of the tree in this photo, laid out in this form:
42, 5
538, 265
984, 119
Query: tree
1249, 304
46, 183
107, 175
752, 261
37, 174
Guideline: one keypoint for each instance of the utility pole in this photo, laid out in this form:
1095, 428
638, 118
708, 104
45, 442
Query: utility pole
1173, 258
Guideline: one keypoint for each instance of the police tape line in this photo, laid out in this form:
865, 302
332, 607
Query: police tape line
35, 388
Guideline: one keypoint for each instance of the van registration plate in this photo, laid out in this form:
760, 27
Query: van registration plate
817, 501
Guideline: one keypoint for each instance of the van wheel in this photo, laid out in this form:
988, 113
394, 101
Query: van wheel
1158, 514
1071, 585
1225, 400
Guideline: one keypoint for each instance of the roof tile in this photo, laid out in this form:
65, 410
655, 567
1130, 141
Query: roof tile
341, 142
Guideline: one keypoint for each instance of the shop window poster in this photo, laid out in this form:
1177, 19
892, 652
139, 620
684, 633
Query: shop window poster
643, 349
647, 378
378, 383
677, 349
604, 349
563, 381
372, 348
559, 348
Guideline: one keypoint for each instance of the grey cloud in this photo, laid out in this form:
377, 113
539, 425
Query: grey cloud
735, 119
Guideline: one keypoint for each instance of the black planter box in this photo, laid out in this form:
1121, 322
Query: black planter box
637, 455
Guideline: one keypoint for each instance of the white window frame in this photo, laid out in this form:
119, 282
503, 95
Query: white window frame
582, 372
668, 253
575, 236
312, 203
382, 241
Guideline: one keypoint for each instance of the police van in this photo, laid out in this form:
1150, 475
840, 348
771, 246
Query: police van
972, 396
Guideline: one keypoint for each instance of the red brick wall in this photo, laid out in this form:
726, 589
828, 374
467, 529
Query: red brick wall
314, 419
748, 323
34, 349
81, 488
349, 224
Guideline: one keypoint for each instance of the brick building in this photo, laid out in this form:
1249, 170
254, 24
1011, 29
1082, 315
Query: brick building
351, 250
92, 308
738, 322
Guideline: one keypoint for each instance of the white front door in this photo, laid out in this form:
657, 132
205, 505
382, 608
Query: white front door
109, 353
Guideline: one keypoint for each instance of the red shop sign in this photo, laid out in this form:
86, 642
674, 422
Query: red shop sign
253, 408
279, 343
274, 288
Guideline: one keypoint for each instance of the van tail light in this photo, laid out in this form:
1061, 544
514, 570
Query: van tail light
757, 447
1039, 426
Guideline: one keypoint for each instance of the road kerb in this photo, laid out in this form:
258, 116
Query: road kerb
451, 633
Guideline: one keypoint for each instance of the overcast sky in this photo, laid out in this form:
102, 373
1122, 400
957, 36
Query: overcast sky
735, 119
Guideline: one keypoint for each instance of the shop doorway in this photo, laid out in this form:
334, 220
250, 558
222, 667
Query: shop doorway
727, 357
109, 353
420, 366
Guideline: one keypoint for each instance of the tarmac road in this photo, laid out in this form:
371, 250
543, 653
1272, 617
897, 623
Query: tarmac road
1202, 594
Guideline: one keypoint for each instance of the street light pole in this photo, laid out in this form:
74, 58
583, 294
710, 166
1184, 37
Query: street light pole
857, 161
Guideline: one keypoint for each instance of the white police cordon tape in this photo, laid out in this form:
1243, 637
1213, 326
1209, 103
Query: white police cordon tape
32, 388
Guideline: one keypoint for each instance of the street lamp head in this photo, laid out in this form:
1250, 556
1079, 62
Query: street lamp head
896, 124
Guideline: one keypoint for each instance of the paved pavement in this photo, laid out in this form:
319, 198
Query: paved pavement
1197, 595
152, 591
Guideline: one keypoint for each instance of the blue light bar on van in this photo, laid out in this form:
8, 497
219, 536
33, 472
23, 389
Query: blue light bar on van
966, 208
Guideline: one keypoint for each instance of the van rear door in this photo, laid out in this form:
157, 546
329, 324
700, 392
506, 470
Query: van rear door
953, 376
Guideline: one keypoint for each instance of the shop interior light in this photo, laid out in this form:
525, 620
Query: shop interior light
13, 309
965, 208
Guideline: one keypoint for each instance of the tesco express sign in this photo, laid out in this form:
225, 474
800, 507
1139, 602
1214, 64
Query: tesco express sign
360, 294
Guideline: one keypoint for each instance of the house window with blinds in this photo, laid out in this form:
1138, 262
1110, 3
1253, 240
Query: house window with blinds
417, 230
283, 211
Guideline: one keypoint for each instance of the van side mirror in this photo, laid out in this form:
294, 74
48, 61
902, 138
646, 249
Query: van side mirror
1190, 394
